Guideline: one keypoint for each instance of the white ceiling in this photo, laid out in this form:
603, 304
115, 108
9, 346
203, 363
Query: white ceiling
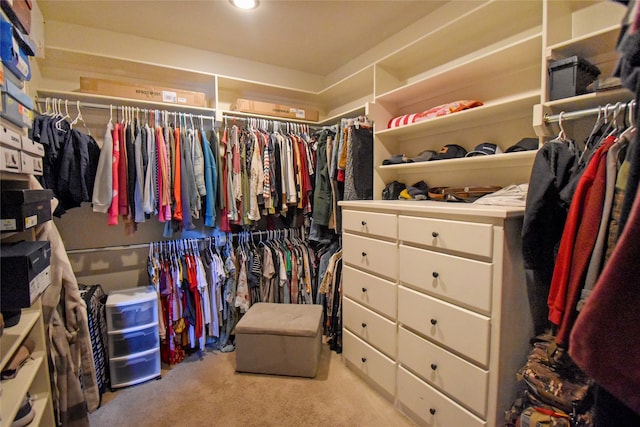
316, 36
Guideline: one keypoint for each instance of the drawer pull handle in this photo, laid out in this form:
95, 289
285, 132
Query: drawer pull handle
364, 359
435, 233
364, 223
432, 411
433, 322
364, 289
435, 274
364, 253
364, 325
434, 366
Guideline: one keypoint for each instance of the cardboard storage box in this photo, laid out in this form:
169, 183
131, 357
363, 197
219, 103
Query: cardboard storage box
25, 273
31, 164
23, 209
144, 92
10, 135
9, 159
270, 109
19, 12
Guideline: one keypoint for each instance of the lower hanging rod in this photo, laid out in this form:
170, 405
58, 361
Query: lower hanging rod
573, 115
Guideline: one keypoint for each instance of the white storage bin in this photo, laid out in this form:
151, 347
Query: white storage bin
132, 308
133, 341
135, 369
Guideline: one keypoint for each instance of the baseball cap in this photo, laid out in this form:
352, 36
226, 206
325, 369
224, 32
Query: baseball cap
484, 149
450, 151
525, 144
423, 156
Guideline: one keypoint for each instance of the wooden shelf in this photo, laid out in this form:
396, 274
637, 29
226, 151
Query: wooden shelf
589, 100
517, 55
516, 106
13, 337
117, 101
483, 23
499, 169
13, 391
587, 46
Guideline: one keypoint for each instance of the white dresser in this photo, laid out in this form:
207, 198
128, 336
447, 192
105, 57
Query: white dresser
435, 308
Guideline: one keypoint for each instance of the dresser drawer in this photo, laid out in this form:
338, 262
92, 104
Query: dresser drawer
135, 369
369, 254
431, 406
370, 327
369, 361
135, 315
460, 279
371, 291
458, 378
468, 237
457, 328
370, 223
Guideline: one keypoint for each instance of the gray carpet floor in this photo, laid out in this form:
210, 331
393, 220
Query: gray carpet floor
207, 391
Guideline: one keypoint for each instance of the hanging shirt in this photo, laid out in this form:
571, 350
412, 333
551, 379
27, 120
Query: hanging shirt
103, 185
115, 177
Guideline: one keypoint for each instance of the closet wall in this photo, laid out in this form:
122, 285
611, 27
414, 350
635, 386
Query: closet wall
381, 82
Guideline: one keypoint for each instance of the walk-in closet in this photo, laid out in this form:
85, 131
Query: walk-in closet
355, 213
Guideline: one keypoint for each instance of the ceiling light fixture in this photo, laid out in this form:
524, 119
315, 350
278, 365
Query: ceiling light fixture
245, 4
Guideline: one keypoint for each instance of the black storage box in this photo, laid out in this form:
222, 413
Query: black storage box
23, 209
570, 77
25, 273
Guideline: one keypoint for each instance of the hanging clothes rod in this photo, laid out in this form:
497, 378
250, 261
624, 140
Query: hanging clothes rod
573, 115
146, 245
116, 108
271, 120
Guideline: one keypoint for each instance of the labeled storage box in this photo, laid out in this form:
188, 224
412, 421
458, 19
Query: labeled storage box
144, 92
23, 209
277, 110
14, 51
19, 12
17, 107
10, 159
10, 135
25, 273
32, 147
570, 77
30, 164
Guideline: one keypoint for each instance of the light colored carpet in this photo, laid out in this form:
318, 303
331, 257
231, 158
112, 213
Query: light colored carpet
208, 392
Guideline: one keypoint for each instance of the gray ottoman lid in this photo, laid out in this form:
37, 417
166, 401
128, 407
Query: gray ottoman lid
298, 320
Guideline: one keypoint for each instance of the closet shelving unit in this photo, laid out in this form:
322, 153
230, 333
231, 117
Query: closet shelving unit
475, 50
587, 29
33, 377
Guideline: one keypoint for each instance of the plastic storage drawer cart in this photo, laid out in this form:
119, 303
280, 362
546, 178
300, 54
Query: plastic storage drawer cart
134, 343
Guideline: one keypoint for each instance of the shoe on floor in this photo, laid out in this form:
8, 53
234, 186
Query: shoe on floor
25, 414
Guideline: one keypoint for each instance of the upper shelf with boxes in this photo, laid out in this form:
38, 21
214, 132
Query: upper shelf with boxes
580, 59
19, 155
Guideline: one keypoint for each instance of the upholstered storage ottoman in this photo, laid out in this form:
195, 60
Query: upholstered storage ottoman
280, 339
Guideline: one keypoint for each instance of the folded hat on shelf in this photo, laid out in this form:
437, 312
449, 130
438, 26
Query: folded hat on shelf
423, 156
525, 144
396, 159
450, 151
417, 191
484, 149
